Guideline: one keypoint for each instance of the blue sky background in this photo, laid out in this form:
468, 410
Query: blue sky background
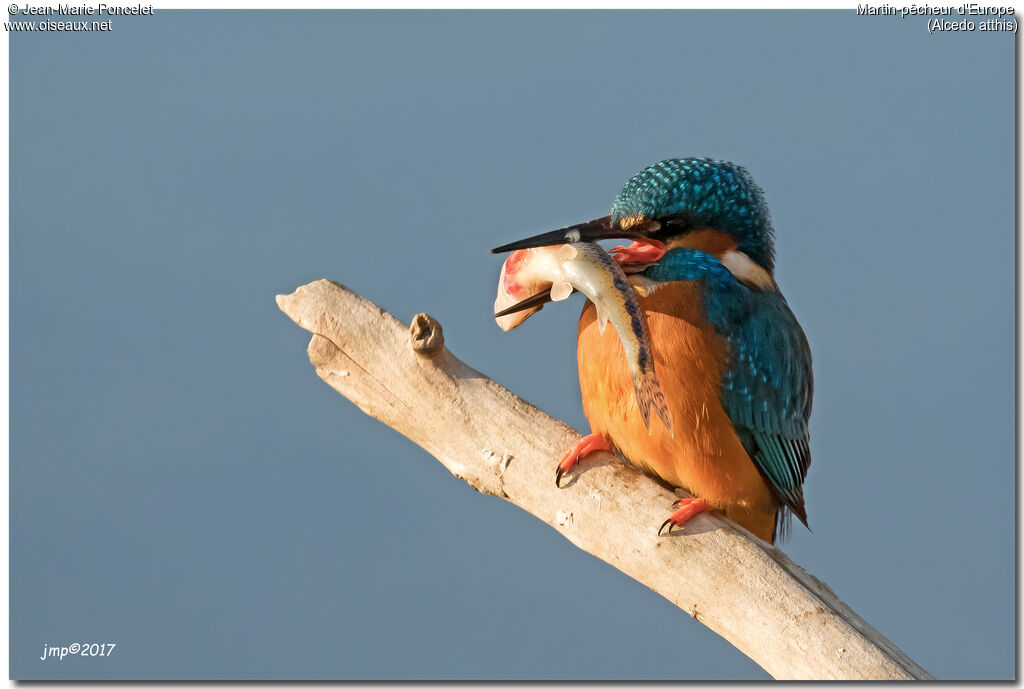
182, 484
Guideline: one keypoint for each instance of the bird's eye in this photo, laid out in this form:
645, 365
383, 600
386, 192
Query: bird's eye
673, 227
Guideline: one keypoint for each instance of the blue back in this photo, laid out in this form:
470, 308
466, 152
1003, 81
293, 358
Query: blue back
704, 192
767, 386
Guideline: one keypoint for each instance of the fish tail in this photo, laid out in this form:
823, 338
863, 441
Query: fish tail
648, 394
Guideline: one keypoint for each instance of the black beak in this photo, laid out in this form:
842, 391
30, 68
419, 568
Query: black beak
584, 232
539, 299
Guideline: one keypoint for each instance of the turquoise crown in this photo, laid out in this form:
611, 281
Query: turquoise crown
703, 193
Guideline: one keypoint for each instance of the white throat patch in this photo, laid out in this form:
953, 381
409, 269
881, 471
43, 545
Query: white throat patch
746, 271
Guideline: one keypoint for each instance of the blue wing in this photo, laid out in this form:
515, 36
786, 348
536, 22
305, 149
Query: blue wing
767, 386
767, 391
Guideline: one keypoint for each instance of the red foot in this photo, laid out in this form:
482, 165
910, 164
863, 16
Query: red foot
643, 251
688, 508
586, 445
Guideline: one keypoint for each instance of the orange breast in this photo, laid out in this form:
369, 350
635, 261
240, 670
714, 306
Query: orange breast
705, 456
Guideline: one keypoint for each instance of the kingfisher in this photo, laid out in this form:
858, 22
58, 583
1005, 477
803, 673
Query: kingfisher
734, 363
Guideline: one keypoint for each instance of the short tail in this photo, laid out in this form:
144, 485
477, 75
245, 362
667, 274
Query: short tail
648, 394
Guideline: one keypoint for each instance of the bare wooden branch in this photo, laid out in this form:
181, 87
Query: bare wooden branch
787, 621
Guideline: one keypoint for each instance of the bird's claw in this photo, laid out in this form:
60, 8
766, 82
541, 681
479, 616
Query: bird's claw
585, 446
688, 508
559, 472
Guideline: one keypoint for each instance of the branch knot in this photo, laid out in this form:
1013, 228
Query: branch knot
425, 335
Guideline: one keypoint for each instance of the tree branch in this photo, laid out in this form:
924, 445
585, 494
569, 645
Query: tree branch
747, 591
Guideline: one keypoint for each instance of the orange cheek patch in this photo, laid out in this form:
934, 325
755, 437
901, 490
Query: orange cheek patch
709, 241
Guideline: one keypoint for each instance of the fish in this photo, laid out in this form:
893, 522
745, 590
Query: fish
531, 277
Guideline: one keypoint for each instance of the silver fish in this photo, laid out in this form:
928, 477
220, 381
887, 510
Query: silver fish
587, 268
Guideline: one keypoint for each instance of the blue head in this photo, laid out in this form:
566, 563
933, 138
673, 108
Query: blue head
669, 200
681, 195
